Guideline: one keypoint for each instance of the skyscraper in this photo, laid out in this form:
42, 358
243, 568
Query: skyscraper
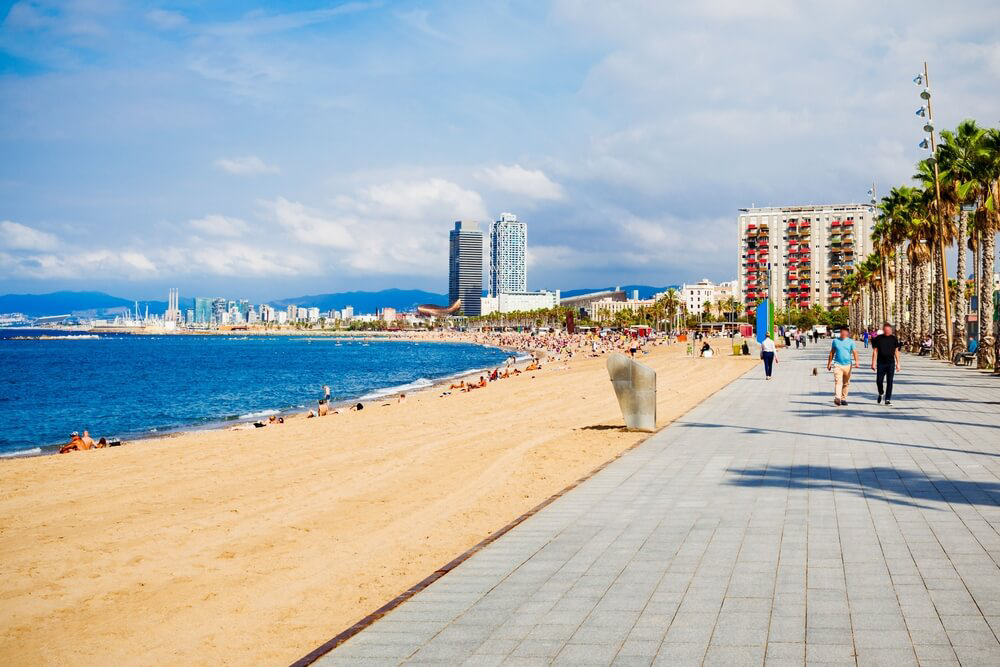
202, 310
508, 242
465, 267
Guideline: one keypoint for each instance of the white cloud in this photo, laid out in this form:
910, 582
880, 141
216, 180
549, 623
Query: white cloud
421, 199
419, 20
242, 260
16, 236
220, 225
308, 226
250, 164
166, 19
79, 264
514, 178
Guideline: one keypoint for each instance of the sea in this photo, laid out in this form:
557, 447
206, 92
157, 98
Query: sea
130, 386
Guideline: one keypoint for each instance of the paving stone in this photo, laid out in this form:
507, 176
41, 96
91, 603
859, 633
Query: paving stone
766, 524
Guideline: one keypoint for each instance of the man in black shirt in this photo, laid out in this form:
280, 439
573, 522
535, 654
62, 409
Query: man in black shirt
885, 361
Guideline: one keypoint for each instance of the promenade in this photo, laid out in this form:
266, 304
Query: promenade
766, 526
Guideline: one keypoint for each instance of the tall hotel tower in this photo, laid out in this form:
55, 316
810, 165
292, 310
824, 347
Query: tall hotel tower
508, 242
465, 267
800, 255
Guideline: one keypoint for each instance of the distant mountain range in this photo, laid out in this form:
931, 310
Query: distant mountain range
94, 304
365, 302
82, 304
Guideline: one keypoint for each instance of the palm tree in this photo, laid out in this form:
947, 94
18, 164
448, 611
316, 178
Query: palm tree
958, 155
884, 246
941, 232
987, 224
896, 220
671, 304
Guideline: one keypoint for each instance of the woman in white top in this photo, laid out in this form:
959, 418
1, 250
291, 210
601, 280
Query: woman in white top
768, 355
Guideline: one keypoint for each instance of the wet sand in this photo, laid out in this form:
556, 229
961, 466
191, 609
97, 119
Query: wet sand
255, 546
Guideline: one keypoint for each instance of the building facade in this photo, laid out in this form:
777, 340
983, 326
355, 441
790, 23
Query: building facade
605, 310
465, 267
508, 244
705, 295
800, 255
512, 302
202, 310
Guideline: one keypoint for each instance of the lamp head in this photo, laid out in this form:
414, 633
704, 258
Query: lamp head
922, 111
925, 94
924, 144
928, 126
919, 79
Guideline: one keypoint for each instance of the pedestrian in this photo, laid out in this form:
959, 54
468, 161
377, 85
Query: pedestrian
864, 338
843, 357
885, 361
769, 355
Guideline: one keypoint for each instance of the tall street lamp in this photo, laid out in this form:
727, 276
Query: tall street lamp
927, 112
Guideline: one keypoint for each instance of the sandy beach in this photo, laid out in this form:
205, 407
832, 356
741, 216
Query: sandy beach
252, 547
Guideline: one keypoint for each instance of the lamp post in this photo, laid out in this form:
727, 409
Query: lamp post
925, 94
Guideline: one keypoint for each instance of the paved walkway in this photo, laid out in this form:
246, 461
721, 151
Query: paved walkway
765, 527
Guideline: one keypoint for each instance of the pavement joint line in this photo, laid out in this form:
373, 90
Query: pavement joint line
382, 611
878, 528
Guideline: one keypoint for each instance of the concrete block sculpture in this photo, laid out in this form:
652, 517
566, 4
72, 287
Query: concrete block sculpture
635, 386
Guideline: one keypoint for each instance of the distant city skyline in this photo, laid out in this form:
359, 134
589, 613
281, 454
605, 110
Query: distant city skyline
302, 147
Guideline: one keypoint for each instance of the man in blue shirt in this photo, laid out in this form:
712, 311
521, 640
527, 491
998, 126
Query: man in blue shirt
843, 357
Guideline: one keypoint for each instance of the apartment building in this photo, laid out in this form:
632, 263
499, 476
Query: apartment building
800, 255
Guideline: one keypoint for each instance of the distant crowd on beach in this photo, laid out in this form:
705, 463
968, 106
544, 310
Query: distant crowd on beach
528, 352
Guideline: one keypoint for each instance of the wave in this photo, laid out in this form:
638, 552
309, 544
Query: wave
258, 414
21, 452
419, 383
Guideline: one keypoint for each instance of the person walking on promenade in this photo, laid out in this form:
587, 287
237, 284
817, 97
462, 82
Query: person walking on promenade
843, 357
769, 355
864, 337
885, 361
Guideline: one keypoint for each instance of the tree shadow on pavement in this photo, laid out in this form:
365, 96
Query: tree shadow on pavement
891, 485
752, 430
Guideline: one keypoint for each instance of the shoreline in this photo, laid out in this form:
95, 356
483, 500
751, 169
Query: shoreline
296, 412
256, 546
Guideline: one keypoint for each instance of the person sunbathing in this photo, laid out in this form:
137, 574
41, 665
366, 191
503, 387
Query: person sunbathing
75, 444
460, 385
88, 442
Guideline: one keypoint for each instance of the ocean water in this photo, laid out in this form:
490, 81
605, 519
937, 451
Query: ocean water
126, 386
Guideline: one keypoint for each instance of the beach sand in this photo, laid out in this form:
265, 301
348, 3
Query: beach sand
254, 547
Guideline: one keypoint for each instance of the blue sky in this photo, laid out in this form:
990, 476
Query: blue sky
274, 149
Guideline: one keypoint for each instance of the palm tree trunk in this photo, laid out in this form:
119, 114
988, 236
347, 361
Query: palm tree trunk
986, 338
923, 304
940, 339
960, 303
900, 317
914, 327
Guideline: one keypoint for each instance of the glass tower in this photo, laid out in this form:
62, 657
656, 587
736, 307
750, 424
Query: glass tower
508, 243
465, 267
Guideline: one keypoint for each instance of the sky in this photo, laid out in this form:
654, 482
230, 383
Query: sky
267, 150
